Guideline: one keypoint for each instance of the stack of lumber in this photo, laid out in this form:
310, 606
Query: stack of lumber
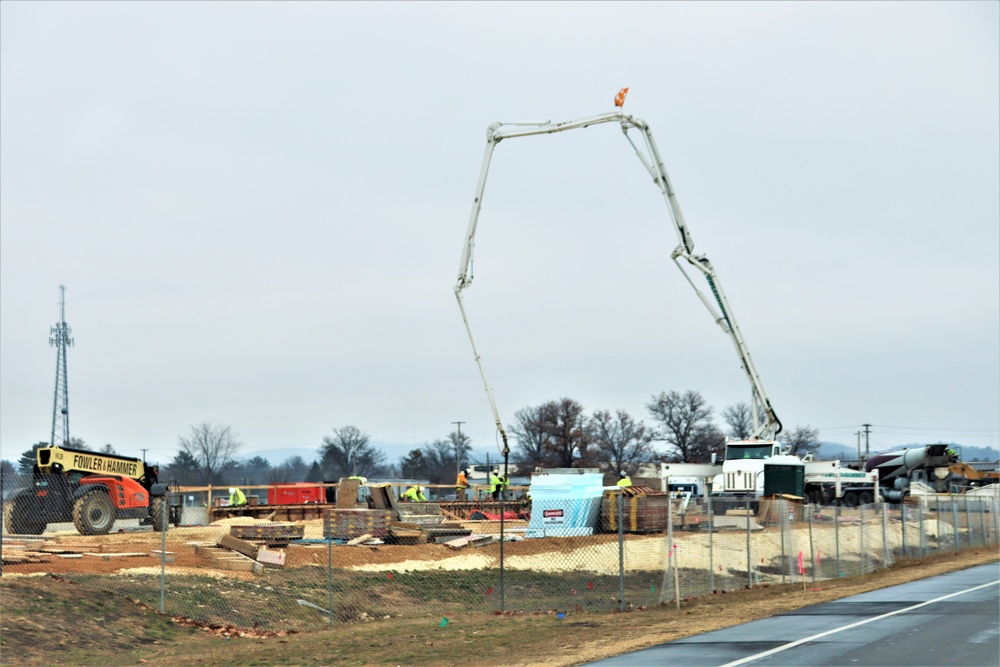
347, 524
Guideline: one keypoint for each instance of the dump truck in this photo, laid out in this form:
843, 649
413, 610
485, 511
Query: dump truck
92, 490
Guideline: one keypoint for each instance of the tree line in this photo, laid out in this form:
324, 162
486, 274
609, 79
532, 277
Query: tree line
556, 433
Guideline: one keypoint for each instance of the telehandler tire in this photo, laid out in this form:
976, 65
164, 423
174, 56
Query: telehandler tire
15, 521
94, 513
156, 504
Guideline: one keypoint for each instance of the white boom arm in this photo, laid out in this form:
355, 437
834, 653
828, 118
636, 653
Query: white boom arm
685, 249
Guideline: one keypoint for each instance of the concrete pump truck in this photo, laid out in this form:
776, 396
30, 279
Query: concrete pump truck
92, 490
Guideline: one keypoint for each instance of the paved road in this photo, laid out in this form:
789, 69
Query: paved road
953, 619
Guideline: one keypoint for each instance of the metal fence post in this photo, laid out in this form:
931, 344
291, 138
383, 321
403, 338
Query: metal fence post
937, 519
329, 576
749, 562
902, 519
836, 536
711, 559
782, 518
886, 561
920, 526
968, 524
621, 552
3, 528
812, 550
861, 540
163, 553
954, 523
982, 521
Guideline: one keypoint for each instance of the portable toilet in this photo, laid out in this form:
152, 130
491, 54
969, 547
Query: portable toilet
784, 475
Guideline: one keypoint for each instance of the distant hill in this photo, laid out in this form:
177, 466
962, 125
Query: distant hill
834, 450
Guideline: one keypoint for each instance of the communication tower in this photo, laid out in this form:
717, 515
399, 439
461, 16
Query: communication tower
59, 339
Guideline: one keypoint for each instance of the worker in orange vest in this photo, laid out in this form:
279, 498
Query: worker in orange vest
462, 483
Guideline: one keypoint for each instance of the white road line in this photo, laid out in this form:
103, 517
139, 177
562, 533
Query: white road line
799, 642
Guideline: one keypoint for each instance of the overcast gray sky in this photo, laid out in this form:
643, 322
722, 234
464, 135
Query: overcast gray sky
258, 212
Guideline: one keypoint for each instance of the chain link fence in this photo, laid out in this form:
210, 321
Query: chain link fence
615, 553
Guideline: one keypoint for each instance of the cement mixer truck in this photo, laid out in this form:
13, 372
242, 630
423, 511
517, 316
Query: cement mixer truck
922, 469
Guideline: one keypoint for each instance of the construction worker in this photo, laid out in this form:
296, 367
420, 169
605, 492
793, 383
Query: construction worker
625, 480
361, 480
495, 484
415, 494
236, 497
462, 483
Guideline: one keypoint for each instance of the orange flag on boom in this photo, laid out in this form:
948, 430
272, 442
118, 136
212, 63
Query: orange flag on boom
620, 97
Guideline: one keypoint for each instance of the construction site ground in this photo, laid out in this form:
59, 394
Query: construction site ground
48, 620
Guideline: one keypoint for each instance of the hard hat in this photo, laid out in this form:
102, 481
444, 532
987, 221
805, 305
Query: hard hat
422, 489
624, 474
467, 471
232, 490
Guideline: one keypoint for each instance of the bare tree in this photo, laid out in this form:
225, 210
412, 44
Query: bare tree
739, 421
461, 445
681, 418
414, 465
565, 424
620, 440
708, 440
292, 469
107, 449
528, 429
212, 447
349, 452
803, 440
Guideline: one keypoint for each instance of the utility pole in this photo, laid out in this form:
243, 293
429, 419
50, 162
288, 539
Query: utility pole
458, 443
59, 339
868, 430
858, 433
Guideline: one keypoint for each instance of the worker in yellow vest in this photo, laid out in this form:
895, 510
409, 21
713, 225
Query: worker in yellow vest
415, 494
625, 480
495, 484
236, 497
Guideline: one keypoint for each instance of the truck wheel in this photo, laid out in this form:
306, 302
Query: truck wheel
15, 521
94, 514
865, 498
850, 499
156, 513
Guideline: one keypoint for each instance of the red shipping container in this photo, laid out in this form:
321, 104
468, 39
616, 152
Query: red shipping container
295, 493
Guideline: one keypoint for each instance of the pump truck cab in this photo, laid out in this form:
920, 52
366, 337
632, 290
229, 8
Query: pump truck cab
92, 490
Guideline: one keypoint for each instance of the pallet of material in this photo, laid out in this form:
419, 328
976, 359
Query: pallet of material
274, 534
642, 512
351, 523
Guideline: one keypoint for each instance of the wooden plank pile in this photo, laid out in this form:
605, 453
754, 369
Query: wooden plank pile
229, 552
21, 549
